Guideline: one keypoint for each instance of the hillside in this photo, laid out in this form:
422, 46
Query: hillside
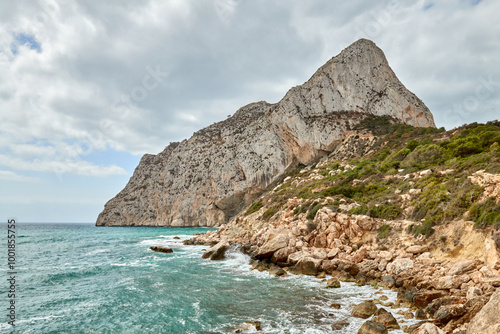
209, 178
413, 209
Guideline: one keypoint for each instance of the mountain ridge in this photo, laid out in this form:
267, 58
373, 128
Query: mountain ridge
207, 179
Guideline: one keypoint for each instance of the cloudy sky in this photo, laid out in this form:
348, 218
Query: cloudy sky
87, 87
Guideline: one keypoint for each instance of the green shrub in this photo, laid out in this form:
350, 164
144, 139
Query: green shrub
486, 213
313, 211
384, 230
425, 229
425, 156
269, 212
256, 206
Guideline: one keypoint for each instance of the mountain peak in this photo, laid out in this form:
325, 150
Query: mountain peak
209, 178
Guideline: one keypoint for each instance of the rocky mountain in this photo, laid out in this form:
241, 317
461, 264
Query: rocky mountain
209, 178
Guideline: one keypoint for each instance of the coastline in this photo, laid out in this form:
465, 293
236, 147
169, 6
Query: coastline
444, 285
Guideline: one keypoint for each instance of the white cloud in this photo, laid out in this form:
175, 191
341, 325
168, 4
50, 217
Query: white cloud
11, 176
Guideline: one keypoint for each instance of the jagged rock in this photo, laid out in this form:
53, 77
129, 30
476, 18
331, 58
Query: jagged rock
364, 310
487, 320
217, 252
161, 249
335, 305
428, 328
451, 282
473, 292
420, 314
386, 318
220, 170
277, 271
371, 327
268, 249
494, 281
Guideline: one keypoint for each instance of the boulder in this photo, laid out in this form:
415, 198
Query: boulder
364, 310
307, 266
386, 255
399, 266
372, 327
161, 249
487, 321
494, 281
474, 292
277, 271
428, 328
386, 318
281, 255
271, 246
217, 252
333, 283
335, 305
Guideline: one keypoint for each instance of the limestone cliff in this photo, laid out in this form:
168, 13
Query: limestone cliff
209, 178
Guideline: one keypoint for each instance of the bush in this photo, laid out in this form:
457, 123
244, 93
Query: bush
256, 206
424, 229
486, 214
384, 230
425, 156
313, 211
269, 212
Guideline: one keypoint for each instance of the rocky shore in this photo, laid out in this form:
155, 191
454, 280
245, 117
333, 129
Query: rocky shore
449, 280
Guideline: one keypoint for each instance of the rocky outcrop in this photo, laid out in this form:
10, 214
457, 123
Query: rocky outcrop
161, 249
209, 178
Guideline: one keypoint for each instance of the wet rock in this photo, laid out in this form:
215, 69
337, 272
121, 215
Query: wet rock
339, 325
307, 266
386, 318
335, 305
277, 271
349, 267
388, 282
321, 275
364, 310
249, 327
372, 327
333, 283
487, 321
217, 252
176, 238
161, 249
420, 314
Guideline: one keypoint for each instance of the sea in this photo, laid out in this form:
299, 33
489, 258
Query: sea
79, 278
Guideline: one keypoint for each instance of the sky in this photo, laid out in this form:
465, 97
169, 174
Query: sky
88, 87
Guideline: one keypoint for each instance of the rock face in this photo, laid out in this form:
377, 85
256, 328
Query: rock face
487, 320
206, 180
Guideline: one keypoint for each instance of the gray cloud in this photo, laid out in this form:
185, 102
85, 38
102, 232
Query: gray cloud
81, 91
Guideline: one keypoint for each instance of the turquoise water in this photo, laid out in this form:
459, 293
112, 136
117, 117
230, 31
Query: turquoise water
78, 278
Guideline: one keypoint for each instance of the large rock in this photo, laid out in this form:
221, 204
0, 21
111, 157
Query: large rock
448, 312
487, 321
307, 266
217, 252
221, 169
399, 266
462, 267
364, 310
281, 255
268, 249
371, 327
385, 318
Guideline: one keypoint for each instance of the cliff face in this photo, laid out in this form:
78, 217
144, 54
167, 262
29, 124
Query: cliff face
209, 178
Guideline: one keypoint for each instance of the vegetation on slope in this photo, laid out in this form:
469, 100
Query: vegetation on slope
421, 174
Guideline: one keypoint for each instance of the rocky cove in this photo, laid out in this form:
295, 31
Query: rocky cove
453, 291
